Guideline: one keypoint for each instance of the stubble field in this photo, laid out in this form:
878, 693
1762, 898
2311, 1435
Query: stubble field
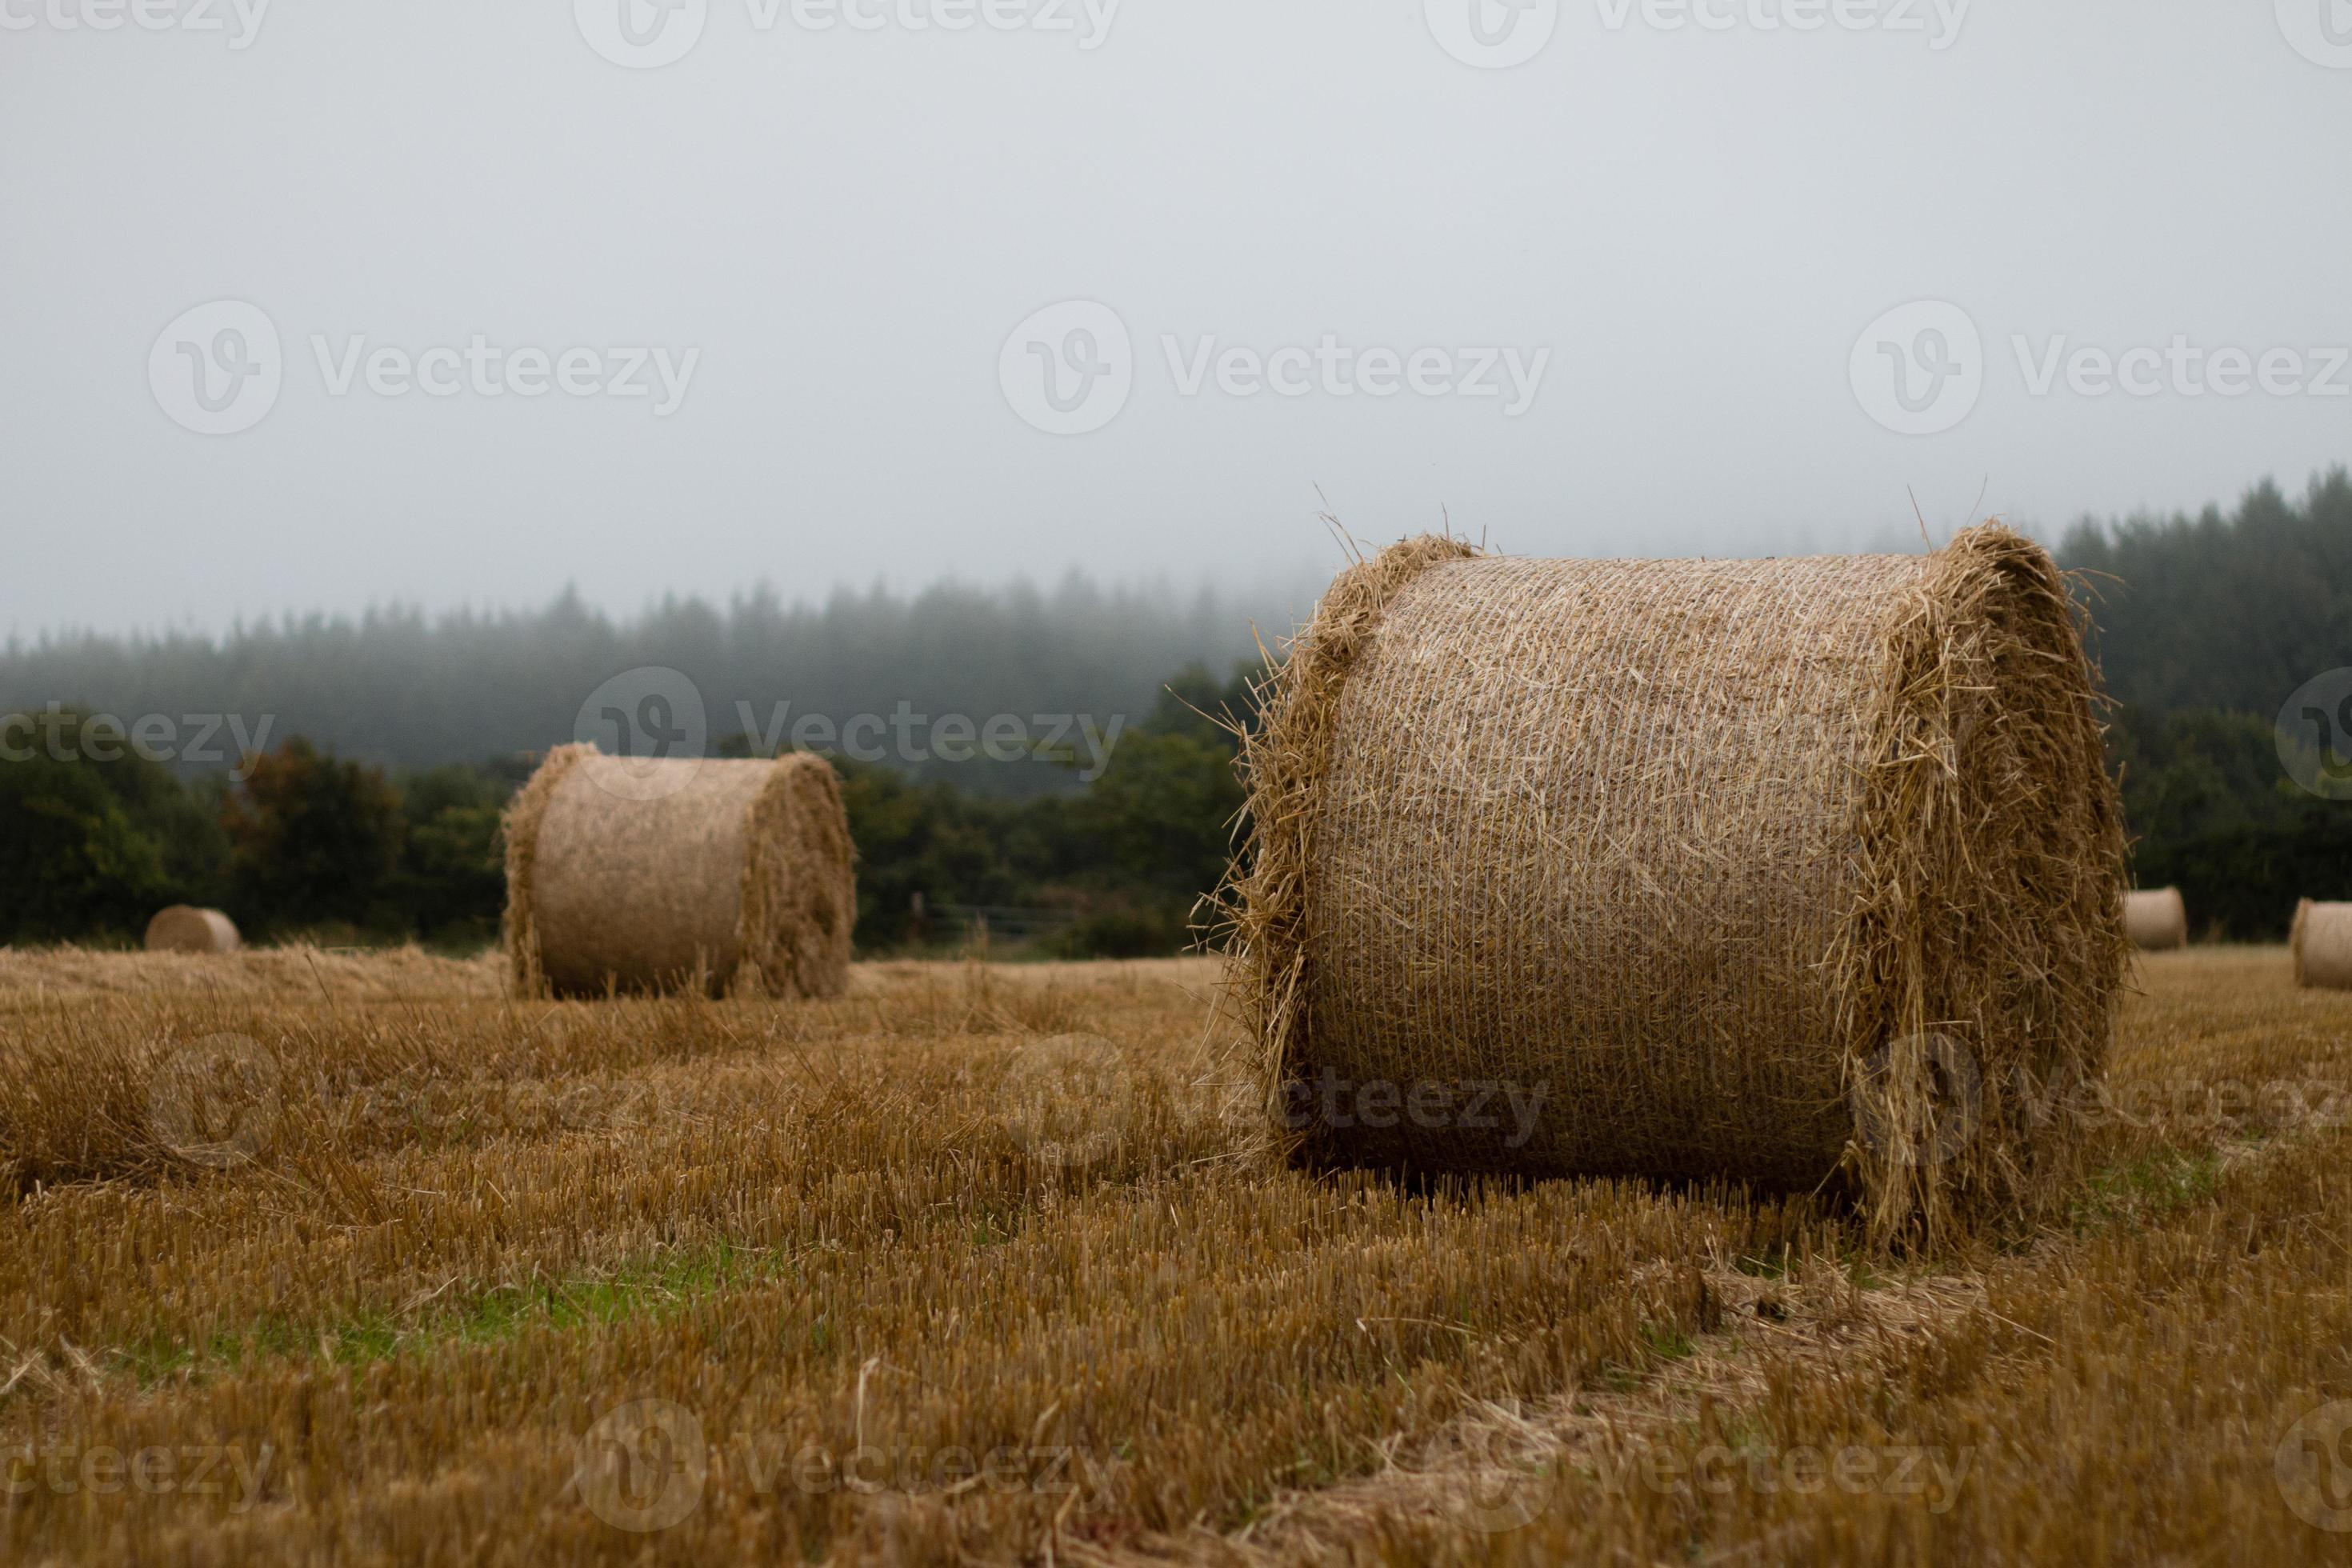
312, 1257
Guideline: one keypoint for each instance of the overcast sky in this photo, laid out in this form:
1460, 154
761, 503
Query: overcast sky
1645, 289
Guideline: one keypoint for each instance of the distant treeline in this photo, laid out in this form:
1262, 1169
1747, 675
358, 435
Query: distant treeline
2226, 612
403, 691
94, 838
371, 809
2205, 627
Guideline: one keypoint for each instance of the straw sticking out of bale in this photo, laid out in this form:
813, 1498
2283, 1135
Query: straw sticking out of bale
2157, 921
734, 877
1785, 871
183, 929
2322, 945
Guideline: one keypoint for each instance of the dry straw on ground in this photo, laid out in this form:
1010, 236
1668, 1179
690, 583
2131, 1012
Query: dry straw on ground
182, 929
1784, 871
377, 974
2157, 921
477, 1229
730, 877
2322, 945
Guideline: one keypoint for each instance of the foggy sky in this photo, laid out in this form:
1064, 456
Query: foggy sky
843, 227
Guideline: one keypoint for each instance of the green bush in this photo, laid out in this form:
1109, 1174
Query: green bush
93, 837
316, 843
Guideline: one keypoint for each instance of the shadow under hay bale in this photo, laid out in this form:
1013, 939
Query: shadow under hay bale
2157, 921
183, 929
2323, 946
735, 878
1782, 872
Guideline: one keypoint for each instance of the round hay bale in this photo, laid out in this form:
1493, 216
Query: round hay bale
2322, 945
734, 877
185, 929
1776, 871
2157, 920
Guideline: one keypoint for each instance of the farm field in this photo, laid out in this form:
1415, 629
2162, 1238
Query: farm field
310, 1257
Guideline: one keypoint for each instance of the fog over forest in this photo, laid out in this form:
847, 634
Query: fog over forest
2228, 611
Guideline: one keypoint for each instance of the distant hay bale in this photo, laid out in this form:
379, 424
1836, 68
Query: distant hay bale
732, 876
183, 929
1768, 870
2157, 921
2323, 946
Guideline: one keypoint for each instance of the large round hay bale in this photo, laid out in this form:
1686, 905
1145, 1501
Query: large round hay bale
1781, 871
635, 875
2322, 945
2157, 920
185, 929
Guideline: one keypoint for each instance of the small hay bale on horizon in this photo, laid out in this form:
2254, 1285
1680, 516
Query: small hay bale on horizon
735, 878
2322, 944
2156, 920
1786, 872
183, 927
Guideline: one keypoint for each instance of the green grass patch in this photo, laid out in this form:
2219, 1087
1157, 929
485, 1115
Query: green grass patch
2149, 1189
489, 1317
